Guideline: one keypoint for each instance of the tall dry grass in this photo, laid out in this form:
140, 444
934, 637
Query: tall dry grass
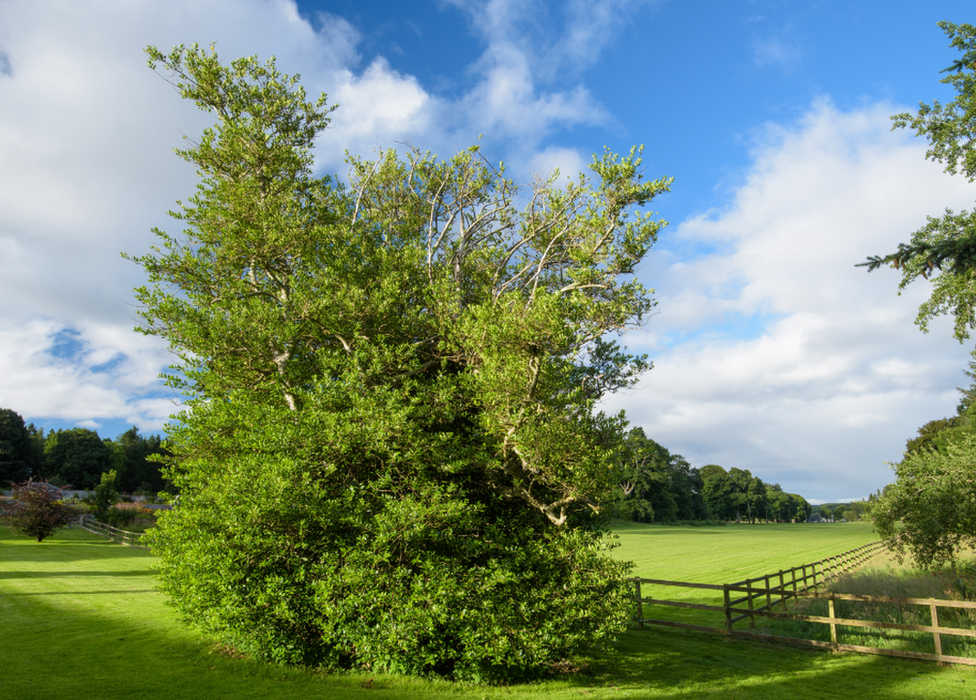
886, 576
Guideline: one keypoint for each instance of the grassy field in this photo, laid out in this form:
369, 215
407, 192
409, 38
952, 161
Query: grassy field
724, 554
733, 552
80, 619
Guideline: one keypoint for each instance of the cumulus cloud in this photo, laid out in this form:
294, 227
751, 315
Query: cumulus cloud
90, 373
811, 366
86, 139
771, 345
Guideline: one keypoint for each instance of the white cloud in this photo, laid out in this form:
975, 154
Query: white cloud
82, 374
817, 369
830, 376
592, 25
86, 139
568, 161
507, 103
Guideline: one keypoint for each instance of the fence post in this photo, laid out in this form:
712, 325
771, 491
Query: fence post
752, 618
936, 635
640, 603
728, 612
769, 595
782, 590
833, 621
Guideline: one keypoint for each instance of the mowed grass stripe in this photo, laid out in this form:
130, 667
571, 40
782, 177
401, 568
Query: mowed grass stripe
725, 554
80, 620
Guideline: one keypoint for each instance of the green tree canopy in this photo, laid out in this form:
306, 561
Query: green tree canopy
16, 455
925, 512
929, 512
391, 455
644, 478
76, 457
105, 495
928, 434
38, 466
137, 471
717, 490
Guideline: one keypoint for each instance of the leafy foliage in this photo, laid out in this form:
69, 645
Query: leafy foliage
15, 448
930, 510
945, 248
932, 479
77, 457
391, 456
38, 510
105, 495
737, 493
654, 485
657, 486
929, 433
135, 463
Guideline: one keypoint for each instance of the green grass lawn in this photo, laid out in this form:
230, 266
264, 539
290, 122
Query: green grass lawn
80, 619
730, 553
725, 554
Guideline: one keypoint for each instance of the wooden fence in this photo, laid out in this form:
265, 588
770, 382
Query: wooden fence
745, 600
132, 539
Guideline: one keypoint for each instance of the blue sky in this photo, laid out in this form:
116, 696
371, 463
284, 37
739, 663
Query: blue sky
772, 352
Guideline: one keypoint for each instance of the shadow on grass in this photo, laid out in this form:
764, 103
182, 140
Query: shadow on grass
91, 656
71, 574
125, 591
68, 546
659, 663
59, 648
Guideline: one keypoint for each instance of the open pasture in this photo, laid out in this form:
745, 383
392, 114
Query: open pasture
80, 619
725, 554
732, 552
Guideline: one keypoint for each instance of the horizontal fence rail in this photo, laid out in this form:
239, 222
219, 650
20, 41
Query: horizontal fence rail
132, 539
761, 596
833, 621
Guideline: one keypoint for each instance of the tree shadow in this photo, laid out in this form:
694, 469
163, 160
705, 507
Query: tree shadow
661, 662
72, 545
60, 640
71, 574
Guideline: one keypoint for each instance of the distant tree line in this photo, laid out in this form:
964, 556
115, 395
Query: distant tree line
657, 486
77, 457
